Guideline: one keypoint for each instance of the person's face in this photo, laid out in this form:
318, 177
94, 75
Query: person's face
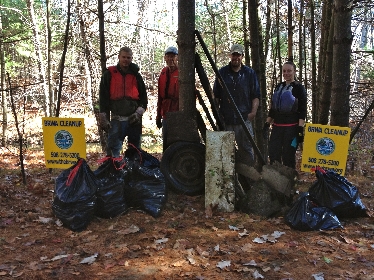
288, 72
236, 59
171, 59
125, 59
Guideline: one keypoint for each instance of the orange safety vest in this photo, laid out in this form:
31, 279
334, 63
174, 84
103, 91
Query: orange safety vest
122, 86
169, 97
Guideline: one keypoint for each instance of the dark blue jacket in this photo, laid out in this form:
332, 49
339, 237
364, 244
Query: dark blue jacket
243, 89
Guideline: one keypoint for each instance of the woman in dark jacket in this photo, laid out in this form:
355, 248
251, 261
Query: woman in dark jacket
287, 117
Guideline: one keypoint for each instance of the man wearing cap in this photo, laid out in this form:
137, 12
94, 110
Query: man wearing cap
168, 90
242, 84
123, 100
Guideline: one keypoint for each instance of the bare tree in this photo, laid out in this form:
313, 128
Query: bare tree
258, 64
322, 96
39, 54
313, 57
341, 63
4, 103
100, 14
49, 52
186, 45
62, 63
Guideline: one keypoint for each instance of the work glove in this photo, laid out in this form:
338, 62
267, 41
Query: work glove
140, 111
265, 130
104, 122
158, 122
136, 118
300, 134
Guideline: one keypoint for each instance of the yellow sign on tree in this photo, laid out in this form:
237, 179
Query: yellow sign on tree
64, 141
325, 146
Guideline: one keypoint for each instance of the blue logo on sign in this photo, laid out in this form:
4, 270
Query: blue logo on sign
325, 146
63, 139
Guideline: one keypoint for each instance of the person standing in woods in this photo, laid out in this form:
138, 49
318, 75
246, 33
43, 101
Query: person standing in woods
168, 91
242, 84
287, 117
123, 100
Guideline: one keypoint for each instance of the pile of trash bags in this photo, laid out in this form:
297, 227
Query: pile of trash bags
117, 185
330, 198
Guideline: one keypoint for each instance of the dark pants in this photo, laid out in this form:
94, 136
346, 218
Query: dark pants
117, 134
164, 135
280, 148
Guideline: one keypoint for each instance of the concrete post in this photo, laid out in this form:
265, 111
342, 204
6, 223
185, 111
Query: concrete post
220, 170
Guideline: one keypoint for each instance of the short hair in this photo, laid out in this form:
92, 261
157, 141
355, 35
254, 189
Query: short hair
125, 49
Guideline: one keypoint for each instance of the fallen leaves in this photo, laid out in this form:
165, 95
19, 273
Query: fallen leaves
184, 242
90, 259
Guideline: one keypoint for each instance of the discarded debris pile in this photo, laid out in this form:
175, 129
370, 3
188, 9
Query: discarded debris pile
134, 181
272, 193
269, 192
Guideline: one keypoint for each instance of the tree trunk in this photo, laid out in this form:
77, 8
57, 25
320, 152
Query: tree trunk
186, 45
278, 45
39, 55
100, 14
313, 50
301, 42
258, 64
49, 40
214, 28
4, 103
290, 31
325, 94
318, 94
62, 64
341, 63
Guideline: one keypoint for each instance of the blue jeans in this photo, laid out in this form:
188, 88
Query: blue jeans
245, 153
117, 133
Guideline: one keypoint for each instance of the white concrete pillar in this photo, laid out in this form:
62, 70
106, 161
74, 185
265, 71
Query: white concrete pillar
220, 170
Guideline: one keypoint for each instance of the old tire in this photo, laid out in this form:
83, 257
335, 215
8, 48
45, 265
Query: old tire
183, 165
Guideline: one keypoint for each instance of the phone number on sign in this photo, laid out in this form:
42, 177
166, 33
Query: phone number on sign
324, 161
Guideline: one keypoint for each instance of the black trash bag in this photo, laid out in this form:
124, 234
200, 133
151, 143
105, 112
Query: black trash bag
337, 193
75, 196
306, 215
145, 187
75, 216
142, 157
142, 165
147, 195
110, 194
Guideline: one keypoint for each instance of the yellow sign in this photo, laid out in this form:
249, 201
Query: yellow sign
64, 141
325, 146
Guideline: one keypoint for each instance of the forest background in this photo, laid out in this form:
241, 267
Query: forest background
52, 54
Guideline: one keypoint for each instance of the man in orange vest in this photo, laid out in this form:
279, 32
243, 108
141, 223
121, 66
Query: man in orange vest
123, 97
168, 91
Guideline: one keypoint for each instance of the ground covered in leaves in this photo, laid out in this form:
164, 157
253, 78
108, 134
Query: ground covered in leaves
186, 242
